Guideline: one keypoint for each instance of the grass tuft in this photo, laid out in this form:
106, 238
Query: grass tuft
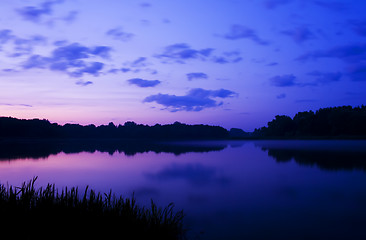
47, 213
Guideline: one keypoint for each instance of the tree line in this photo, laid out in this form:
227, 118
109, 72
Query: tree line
344, 121
36, 128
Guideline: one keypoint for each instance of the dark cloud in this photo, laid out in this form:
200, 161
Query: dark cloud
227, 57
182, 52
240, 32
144, 83
283, 81
124, 70
119, 34
357, 72
332, 5
272, 4
196, 75
299, 34
195, 100
34, 14
349, 53
71, 59
353, 55
359, 27
325, 78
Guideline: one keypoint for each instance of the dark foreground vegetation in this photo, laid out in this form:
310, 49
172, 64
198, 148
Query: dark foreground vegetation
47, 213
334, 122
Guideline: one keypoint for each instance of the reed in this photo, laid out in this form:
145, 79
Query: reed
47, 213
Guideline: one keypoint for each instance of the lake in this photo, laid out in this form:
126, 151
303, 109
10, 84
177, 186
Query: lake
290, 189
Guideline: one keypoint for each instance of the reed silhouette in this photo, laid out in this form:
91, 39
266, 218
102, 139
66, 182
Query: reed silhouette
47, 213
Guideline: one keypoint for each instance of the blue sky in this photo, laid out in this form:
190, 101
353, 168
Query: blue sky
220, 62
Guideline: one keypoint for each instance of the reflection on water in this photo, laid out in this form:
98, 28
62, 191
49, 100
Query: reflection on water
228, 189
36, 149
327, 155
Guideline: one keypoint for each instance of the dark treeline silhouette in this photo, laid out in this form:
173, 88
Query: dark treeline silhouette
11, 149
337, 122
36, 128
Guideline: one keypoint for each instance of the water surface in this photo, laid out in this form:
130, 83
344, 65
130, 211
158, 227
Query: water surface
228, 189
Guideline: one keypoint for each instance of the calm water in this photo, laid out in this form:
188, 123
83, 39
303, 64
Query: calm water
228, 190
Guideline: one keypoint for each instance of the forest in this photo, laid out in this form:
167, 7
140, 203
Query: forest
336, 122
36, 128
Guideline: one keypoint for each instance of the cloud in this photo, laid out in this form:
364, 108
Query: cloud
281, 96
140, 62
332, 5
272, 4
195, 100
227, 57
6, 35
283, 81
357, 72
325, 78
348, 53
34, 14
119, 34
240, 32
144, 83
18, 46
15, 105
83, 83
299, 34
71, 59
359, 27
181, 52
196, 75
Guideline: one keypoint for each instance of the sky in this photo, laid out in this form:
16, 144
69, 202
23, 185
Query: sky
232, 63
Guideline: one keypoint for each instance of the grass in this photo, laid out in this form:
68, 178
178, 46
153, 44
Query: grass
47, 213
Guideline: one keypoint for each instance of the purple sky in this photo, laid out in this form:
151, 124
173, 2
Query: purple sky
234, 63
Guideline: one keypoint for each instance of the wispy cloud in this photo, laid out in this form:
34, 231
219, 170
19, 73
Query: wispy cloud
143, 83
118, 34
299, 34
83, 83
283, 81
347, 53
238, 31
72, 59
181, 52
34, 14
19, 46
196, 75
196, 99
